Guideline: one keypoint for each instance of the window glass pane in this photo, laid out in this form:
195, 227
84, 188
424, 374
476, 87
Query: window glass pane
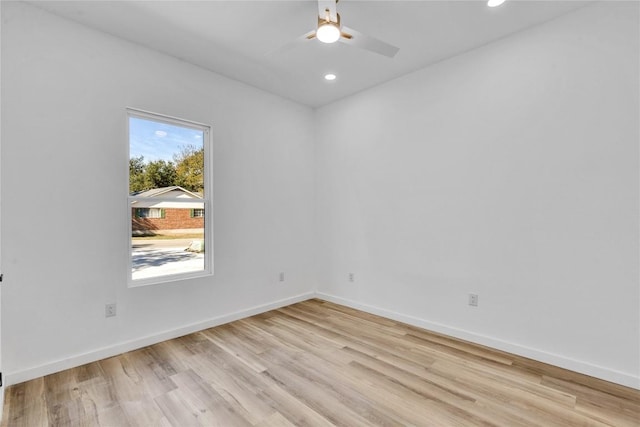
159, 250
166, 196
163, 155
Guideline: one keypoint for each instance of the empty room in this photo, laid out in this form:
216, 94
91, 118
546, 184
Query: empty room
319, 213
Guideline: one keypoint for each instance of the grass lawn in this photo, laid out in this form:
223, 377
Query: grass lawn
170, 236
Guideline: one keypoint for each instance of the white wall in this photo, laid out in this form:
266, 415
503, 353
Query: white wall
1, 387
510, 171
64, 185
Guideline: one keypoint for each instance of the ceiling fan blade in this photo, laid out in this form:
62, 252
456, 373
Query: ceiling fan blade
372, 44
292, 44
323, 5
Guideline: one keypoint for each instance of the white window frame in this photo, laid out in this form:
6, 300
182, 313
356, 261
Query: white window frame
207, 200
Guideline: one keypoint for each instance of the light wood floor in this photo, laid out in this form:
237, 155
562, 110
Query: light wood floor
318, 364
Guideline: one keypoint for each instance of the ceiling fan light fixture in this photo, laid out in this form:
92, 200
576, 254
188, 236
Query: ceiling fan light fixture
328, 32
495, 3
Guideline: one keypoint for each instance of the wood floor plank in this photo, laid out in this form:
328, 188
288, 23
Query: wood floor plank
26, 405
232, 343
178, 410
314, 394
316, 371
275, 420
456, 347
293, 409
239, 389
211, 406
138, 413
317, 363
532, 401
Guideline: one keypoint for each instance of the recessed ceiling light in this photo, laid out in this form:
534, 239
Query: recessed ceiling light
329, 76
494, 3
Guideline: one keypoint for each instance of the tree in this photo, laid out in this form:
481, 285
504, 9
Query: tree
159, 174
187, 171
136, 174
145, 176
190, 168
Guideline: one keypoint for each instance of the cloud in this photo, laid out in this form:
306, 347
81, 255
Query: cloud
161, 133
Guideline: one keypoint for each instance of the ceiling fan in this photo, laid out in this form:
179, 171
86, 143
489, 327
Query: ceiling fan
330, 30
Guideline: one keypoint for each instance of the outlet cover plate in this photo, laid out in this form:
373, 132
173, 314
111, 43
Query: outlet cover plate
110, 310
473, 300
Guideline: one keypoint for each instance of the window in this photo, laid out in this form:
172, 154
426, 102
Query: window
169, 191
149, 213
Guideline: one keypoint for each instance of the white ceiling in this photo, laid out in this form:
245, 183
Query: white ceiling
243, 39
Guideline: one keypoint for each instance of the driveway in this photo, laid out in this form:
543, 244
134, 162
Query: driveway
160, 244
153, 258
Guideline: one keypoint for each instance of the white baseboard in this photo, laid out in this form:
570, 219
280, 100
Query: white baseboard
114, 350
582, 367
110, 351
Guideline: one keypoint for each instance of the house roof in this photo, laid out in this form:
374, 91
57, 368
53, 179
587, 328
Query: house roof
166, 192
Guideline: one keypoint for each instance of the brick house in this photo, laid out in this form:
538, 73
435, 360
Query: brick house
154, 212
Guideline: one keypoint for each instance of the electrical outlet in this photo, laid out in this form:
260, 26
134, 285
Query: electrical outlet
282, 277
473, 300
352, 277
110, 310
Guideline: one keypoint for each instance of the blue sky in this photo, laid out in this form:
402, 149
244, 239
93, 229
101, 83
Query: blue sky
159, 141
